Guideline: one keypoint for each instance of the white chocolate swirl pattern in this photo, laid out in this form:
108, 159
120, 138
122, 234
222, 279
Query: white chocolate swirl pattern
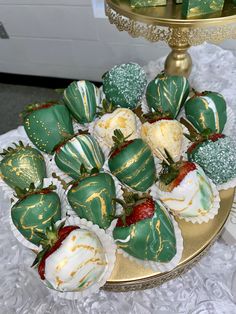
193, 197
77, 264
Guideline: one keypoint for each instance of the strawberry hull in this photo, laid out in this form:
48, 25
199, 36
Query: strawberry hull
151, 239
22, 167
35, 213
82, 149
47, 127
92, 199
134, 166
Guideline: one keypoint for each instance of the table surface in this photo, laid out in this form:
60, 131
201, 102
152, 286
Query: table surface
209, 287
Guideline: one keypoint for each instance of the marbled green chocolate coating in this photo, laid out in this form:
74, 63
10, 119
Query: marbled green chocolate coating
124, 85
92, 199
207, 112
22, 167
35, 213
47, 127
82, 149
218, 159
167, 93
134, 166
82, 99
151, 239
192, 8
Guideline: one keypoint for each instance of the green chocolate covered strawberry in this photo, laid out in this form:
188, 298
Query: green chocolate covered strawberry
167, 93
47, 124
145, 231
92, 197
77, 150
214, 152
207, 110
132, 162
82, 98
21, 166
124, 85
35, 211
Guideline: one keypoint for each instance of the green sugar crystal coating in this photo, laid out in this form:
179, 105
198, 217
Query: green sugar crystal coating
124, 85
218, 159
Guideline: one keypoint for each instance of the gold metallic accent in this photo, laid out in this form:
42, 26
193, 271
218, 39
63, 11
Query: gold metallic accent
128, 275
164, 23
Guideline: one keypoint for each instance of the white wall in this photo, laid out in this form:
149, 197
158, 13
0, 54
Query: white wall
62, 38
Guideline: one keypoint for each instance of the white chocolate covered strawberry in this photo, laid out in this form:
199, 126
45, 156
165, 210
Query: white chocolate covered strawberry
162, 134
122, 119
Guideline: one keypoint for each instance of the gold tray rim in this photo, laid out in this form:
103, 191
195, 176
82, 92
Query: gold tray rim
157, 280
127, 11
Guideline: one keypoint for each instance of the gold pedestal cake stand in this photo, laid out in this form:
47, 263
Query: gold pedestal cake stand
197, 238
165, 23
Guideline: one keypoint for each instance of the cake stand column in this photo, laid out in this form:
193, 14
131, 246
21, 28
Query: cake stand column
179, 61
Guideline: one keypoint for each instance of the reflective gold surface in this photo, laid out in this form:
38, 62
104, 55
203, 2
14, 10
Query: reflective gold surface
166, 24
197, 238
170, 15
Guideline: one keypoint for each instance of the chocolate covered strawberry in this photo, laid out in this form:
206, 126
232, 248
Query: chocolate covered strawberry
47, 124
162, 132
77, 150
72, 259
91, 197
35, 210
214, 152
184, 188
21, 166
145, 230
132, 162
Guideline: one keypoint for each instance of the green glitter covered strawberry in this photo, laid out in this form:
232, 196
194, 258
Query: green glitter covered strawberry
72, 259
167, 93
21, 166
82, 98
132, 162
124, 85
91, 197
77, 150
214, 152
47, 124
145, 231
35, 210
206, 110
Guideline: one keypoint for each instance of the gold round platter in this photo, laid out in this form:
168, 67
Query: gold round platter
128, 275
164, 23
170, 14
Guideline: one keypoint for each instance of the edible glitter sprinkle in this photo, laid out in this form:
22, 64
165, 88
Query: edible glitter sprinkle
124, 85
218, 159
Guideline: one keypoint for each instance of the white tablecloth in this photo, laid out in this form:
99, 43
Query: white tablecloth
209, 287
